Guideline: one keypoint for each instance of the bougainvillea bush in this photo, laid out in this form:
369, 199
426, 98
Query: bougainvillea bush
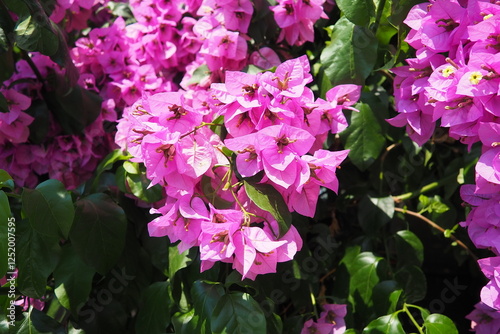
279, 166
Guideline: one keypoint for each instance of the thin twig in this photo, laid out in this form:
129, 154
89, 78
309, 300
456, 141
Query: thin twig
437, 227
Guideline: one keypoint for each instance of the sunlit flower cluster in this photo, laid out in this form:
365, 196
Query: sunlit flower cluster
202, 148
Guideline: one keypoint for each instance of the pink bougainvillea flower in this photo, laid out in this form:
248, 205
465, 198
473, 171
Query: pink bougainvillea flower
248, 161
484, 319
255, 252
173, 113
289, 79
490, 294
265, 58
281, 147
323, 165
216, 239
331, 320
181, 222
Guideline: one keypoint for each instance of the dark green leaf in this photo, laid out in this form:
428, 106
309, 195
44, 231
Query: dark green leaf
17, 7
238, 312
6, 219
75, 108
138, 185
351, 55
36, 33
388, 324
43, 323
363, 137
154, 315
364, 275
205, 297
110, 159
40, 126
6, 61
98, 231
266, 197
4, 107
409, 248
188, 323
375, 212
49, 208
73, 280
357, 11
274, 324
386, 295
439, 324
413, 281
400, 9
27, 326
36, 256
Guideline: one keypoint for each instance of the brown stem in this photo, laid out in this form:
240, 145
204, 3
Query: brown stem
439, 228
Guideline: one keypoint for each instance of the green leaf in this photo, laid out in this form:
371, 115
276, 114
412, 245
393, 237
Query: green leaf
40, 126
388, 324
205, 297
74, 108
431, 205
201, 73
17, 7
120, 9
4, 323
6, 180
73, 280
110, 159
386, 295
413, 281
238, 312
357, 11
351, 55
375, 212
37, 257
364, 276
188, 323
138, 185
439, 324
154, 315
36, 33
385, 30
49, 208
41, 322
363, 137
98, 231
6, 61
177, 261
409, 248
274, 324
400, 9
4, 107
6, 219
27, 326
266, 197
